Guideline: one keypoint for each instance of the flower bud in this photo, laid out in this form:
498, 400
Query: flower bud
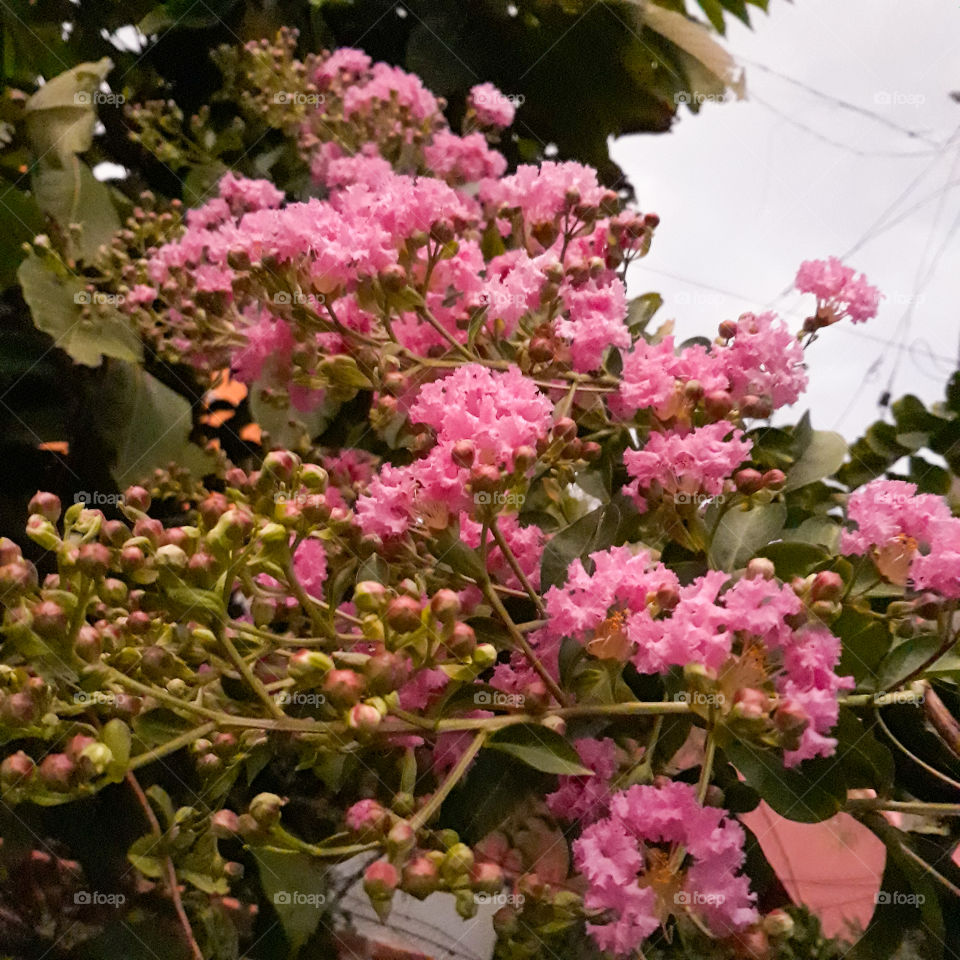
457, 862
57, 772
380, 880
18, 709
137, 497
386, 672
564, 429
49, 619
16, 768
212, 509
401, 839
748, 481
484, 478
309, 666
420, 877
367, 819
541, 350
249, 830
47, 505
486, 877
173, 558
342, 688
757, 407
462, 642
403, 614
524, 457
445, 605
369, 596
761, 568
778, 923
42, 532
233, 870
485, 656
223, 824
265, 809
87, 646
314, 477
827, 585
279, 465
717, 404
16, 579
774, 480
363, 718
728, 329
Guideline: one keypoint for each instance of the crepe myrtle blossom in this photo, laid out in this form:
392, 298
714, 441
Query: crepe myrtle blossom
694, 462
635, 886
839, 291
911, 537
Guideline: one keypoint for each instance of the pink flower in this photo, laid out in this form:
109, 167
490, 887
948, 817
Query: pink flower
884, 510
837, 287
310, 566
461, 160
765, 359
497, 411
594, 321
586, 798
625, 860
345, 60
694, 463
493, 108
654, 376
540, 192
390, 85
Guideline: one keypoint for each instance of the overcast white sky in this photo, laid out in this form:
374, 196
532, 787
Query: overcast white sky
747, 190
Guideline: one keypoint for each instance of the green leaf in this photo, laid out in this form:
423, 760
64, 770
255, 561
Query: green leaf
741, 533
640, 312
905, 658
194, 603
540, 748
22, 221
147, 424
822, 458
865, 641
55, 305
145, 855
161, 800
595, 531
289, 880
61, 115
809, 793
73, 196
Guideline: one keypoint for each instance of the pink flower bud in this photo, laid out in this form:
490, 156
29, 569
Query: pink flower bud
420, 877
223, 824
16, 768
363, 718
342, 688
380, 880
403, 614
46, 504
138, 498
827, 585
445, 605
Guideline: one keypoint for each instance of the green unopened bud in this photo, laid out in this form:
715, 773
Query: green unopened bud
265, 809
42, 532
485, 655
369, 596
273, 533
314, 477
173, 558
466, 903
457, 863
98, 756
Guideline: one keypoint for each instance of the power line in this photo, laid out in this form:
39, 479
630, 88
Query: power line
844, 104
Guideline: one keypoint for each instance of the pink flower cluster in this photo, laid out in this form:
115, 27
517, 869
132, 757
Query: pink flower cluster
475, 412
625, 858
586, 798
694, 463
910, 535
491, 107
659, 624
838, 289
761, 359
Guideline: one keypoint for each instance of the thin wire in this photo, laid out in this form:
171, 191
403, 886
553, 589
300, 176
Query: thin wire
843, 104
